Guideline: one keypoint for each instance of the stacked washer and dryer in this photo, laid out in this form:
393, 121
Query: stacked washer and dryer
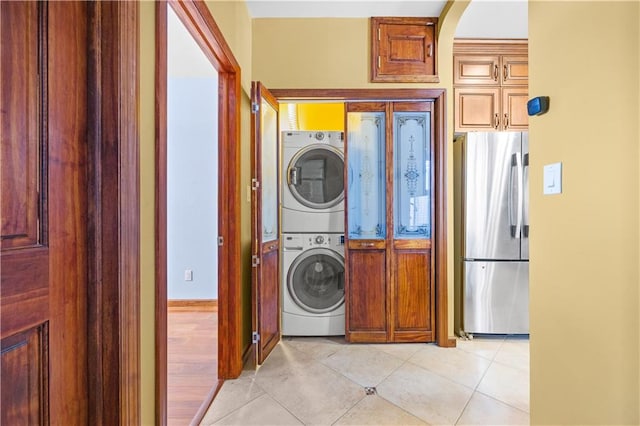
313, 233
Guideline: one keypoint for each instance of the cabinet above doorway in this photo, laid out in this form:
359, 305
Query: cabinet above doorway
404, 50
490, 85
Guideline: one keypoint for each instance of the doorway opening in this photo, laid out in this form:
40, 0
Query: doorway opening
192, 224
199, 125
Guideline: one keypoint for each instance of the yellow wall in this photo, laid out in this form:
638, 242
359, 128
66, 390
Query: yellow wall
313, 116
585, 335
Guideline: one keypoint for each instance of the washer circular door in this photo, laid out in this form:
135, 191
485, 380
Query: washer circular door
316, 176
316, 280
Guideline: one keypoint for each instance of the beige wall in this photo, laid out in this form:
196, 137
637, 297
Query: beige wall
334, 53
585, 340
585, 242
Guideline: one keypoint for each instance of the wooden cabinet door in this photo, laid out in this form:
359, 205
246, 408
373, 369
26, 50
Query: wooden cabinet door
43, 159
477, 109
514, 109
403, 49
414, 298
476, 69
367, 293
412, 294
515, 70
265, 230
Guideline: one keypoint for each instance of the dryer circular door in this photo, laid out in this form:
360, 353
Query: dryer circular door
316, 280
316, 176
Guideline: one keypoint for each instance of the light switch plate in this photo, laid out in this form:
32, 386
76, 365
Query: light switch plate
552, 179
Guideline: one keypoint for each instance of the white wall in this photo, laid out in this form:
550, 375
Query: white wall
192, 169
494, 19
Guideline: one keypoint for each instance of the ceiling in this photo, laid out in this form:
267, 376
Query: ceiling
482, 18
343, 9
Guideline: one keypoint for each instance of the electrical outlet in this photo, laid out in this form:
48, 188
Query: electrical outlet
188, 275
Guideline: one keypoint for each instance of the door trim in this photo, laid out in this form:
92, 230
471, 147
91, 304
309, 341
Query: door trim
113, 293
438, 96
198, 20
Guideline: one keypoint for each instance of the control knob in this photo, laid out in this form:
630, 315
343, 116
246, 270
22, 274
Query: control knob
319, 239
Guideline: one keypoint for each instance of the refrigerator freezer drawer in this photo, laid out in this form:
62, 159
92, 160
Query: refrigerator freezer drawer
496, 297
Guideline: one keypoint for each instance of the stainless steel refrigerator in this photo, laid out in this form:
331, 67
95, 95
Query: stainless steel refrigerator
496, 233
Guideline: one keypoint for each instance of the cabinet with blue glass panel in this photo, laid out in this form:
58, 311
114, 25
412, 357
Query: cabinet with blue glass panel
389, 208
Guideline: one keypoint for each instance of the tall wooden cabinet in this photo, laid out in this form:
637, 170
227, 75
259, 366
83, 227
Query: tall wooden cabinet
389, 204
490, 85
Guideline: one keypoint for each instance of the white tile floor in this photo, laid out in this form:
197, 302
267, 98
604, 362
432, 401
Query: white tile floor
321, 381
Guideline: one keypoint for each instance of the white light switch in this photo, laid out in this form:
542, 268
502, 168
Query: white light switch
188, 275
553, 179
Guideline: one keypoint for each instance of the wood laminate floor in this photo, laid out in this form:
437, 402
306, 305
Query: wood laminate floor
192, 362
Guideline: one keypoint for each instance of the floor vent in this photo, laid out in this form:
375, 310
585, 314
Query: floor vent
370, 390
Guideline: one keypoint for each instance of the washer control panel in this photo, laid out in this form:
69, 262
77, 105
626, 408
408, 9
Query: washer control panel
308, 241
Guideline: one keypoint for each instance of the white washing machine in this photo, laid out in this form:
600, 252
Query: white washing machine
312, 181
313, 285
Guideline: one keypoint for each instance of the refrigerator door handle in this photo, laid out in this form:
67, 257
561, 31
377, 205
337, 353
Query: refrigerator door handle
515, 205
520, 196
525, 215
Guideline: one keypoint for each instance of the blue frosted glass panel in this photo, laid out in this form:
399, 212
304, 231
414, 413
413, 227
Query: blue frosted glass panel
269, 172
366, 175
412, 175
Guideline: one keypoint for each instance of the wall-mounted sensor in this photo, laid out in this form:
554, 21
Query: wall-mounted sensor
537, 106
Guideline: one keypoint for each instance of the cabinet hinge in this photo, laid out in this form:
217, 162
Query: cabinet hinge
379, 60
220, 241
255, 260
255, 337
255, 184
378, 34
255, 107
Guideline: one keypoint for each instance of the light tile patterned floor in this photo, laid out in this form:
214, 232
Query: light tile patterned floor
321, 381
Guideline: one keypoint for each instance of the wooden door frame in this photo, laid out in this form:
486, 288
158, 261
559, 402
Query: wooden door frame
113, 287
198, 20
440, 172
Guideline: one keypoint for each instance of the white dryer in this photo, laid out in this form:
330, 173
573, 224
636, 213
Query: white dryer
312, 181
313, 285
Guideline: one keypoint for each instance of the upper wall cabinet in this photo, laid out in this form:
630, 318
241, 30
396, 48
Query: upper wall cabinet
404, 50
490, 80
491, 70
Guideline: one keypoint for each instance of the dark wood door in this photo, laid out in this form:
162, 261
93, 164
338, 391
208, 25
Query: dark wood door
390, 208
44, 219
367, 294
265, 230
411, 222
